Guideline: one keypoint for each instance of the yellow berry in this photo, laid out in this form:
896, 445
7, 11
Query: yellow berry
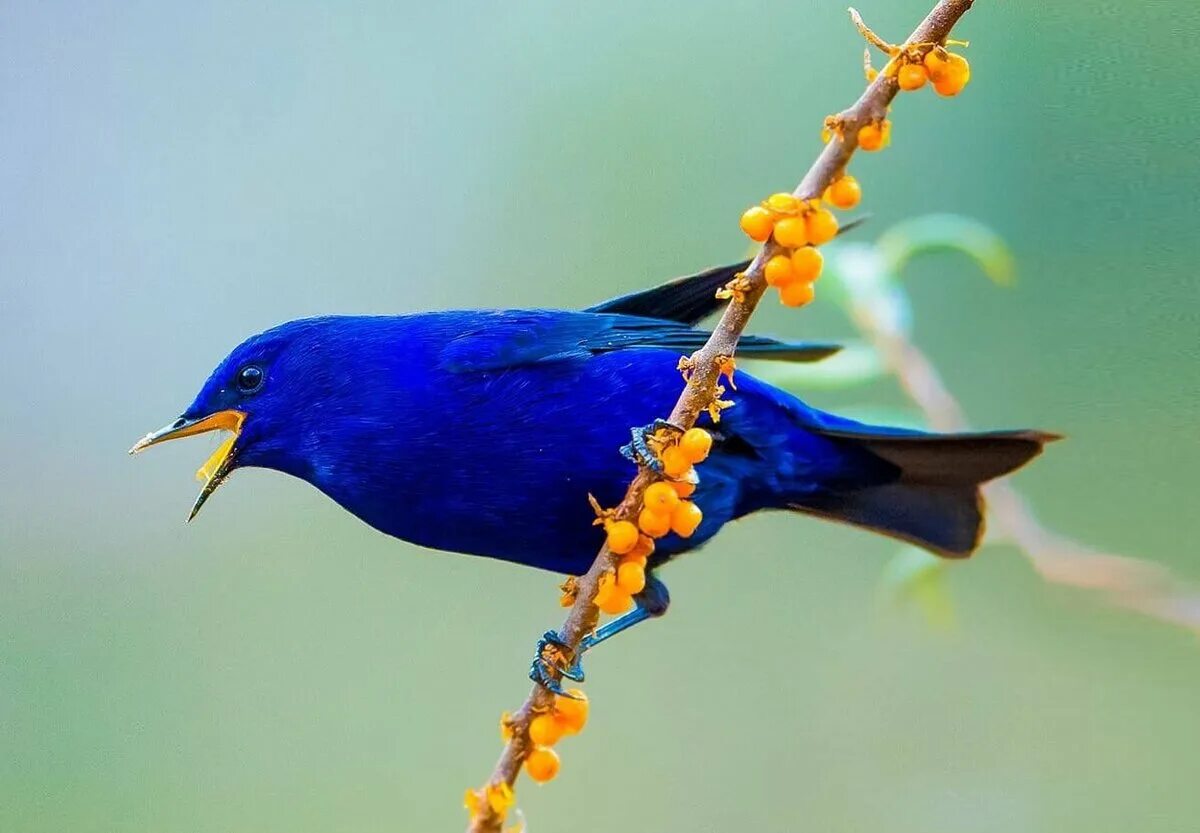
822, 226
631, 576
797, 294
757, 222
807, 263
660, 497
874, 136
686, 518
618, 602
622, 536
572, 712
654, 524
545, 730
683, 488
845, 193
912, 76
675, 462
542, 764
790, 232
696, 443
782, 203
778, 270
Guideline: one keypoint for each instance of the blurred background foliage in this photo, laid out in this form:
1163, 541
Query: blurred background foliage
174, 177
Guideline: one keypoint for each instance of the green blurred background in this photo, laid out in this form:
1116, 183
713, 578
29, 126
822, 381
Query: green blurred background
174, 177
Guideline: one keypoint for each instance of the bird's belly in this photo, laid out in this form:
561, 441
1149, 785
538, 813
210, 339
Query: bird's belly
505, 472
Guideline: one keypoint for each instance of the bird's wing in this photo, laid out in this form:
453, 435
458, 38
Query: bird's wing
686, 300
516, 338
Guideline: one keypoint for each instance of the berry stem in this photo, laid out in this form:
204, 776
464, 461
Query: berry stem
702, 389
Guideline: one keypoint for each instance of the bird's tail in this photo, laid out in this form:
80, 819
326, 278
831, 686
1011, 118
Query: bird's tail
922, 488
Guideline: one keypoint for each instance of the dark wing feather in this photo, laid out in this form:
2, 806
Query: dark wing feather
686, 300
516, 338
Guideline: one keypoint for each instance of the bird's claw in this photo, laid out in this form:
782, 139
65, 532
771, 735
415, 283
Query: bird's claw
639, 450
548, 665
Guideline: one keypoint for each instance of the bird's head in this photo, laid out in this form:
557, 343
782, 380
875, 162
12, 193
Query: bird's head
260, 393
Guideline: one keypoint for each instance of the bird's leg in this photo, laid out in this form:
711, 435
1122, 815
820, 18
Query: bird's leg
548, 660
651, 603
641, 448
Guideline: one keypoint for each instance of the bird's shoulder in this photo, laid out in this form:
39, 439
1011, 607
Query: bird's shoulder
477, 340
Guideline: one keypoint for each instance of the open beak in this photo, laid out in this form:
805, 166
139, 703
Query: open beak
217, 467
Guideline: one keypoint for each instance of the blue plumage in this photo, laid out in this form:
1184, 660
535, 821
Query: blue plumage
483, 432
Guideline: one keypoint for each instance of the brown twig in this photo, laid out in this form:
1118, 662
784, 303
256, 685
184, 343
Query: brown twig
700, 390
1131, 583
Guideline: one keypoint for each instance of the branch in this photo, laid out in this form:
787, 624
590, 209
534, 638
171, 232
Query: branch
700, 392
1130, 583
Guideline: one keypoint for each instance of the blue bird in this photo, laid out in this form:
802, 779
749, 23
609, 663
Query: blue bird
484, 432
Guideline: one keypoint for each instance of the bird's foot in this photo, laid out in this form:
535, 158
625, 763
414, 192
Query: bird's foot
647, 441
549, 663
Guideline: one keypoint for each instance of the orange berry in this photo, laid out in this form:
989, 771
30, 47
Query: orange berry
874, 136
683, 488
935, 63
912, 76
790, 232
545, 730
696, 444
572, 712
757, 222
617, 602
947, 87
675, 462
645, 546
660, 497
640, 560
654, 524
622, 536
845, 193
605, 589
950, 74
778, 270
631, 576
686, 518
782, 203
796, 295
542, 764
807, 264
959, 66
822, 226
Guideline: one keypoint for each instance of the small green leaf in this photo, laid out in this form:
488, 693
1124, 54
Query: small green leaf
915, 577
947, 233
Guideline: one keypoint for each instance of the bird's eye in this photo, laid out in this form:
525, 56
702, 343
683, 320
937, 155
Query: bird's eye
250, 378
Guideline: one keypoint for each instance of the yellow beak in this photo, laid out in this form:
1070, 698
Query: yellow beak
217, 467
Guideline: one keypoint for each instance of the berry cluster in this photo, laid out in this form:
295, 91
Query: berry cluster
798, 226
566, 717
665, 509
949, 73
